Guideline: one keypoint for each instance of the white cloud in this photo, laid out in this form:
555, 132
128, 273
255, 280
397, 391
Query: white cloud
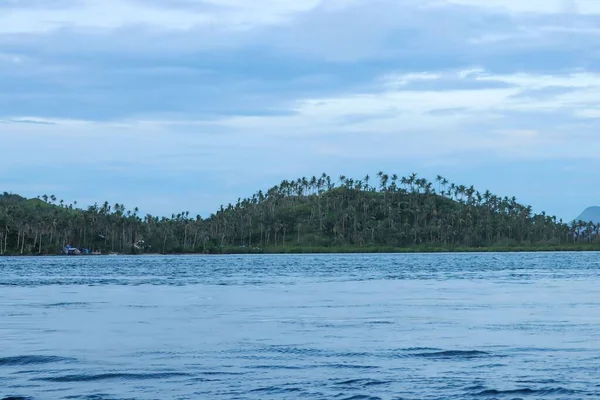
466, 73
395, 80
531, 81
589, 113
520, 133
357, 131
6, 58
395, 107
113, 14
535, 6
438, 123
414, 123
132, 58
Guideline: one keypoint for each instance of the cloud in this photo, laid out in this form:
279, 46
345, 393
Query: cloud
415, 122
396, 106
535, 6
39, 18
396, 80
6, 58
225, 96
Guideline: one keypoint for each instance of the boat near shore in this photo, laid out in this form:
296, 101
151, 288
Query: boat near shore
69, 250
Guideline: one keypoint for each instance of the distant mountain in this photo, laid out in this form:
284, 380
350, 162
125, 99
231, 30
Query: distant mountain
590, 214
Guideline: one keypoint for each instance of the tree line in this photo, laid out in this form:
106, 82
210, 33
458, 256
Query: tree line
385, 211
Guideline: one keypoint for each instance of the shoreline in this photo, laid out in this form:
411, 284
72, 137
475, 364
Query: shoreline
357, 250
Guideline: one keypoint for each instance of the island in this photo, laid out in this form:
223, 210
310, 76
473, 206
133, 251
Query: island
321, 214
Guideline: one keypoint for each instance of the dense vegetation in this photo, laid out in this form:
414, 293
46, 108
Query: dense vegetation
388, 213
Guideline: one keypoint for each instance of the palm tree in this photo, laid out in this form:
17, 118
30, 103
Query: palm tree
305, 211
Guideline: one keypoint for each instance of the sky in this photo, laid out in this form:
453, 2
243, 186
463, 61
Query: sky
184, 105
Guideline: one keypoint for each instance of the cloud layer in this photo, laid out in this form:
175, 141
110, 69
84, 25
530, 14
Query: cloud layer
189, 104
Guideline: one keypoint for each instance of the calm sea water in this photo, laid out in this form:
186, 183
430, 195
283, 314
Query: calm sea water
489, 326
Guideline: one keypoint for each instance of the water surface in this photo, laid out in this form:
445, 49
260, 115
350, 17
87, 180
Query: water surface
409, 326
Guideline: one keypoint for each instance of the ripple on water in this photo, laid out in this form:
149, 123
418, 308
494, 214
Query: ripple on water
277, 390
275, 367
351, 327
17, 398
95, 397
362, 383
32, 360
526, 392
112, 376
350, 366
357, 397
453, 354
223, 373
66, 304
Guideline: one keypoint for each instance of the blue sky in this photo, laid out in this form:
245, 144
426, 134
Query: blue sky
173, 105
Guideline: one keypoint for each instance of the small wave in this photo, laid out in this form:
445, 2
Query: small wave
452, 354
539, 382
95, 397
213, 373
276, 390
140, 306
475, 388
350, 366
65, 304
295, 350
526, 391
17, 398
292, 367
362, 397
312, 352
111, 376
498, 365
421, 349
30, 360
195, 380
363, 382
29, 371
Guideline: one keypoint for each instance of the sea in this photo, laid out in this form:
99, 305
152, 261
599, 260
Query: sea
398, 326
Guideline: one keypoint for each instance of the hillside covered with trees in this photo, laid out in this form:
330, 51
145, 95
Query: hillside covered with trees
385, 213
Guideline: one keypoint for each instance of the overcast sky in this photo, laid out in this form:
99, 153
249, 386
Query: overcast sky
173, 105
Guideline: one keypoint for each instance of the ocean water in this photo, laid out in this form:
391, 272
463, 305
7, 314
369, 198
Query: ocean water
409, 326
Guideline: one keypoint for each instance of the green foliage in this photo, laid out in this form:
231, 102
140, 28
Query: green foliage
304, 215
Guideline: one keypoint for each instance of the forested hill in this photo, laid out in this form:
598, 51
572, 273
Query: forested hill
387, 213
